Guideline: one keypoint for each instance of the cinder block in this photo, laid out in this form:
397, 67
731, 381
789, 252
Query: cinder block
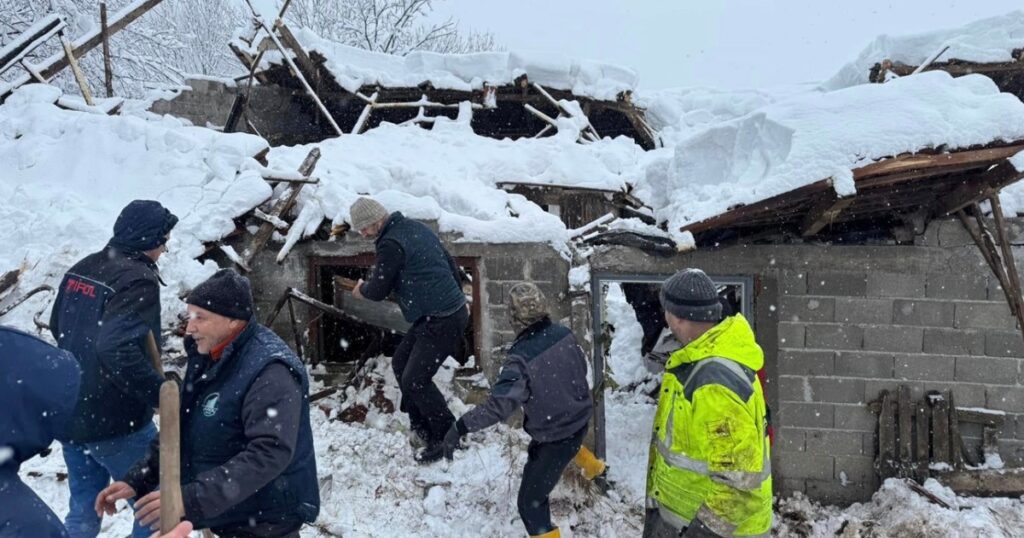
805, 415
504, 268
863, 310
855, 417
895, 285
833, 492
957, 286
786, 487
858, 468
800, 465
1004, 344
807, 362
496, 292
834, 336
874, 387
791, 335
788, 440
926, 313
831, 283
897, 338
992, 370
792, 283
995, 290
954, 341
794, 389
1009, 399
924, 367
965, 394
988, 315
864, 364
806, 309
835, 443
837, 390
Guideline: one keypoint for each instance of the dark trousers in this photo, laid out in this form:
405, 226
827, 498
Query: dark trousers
427, 344
288, 529
544, 465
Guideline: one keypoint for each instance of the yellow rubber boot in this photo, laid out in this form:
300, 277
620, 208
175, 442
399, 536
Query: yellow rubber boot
586, 460
550, 534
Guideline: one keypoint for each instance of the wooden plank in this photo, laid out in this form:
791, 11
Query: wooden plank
1008, 259
83, 84
985, 483
43, 29
977, 188
924, 161
940, 430
886, 463
956, 455
303, 60
994, 419
108, 72
905, 425
823, 213
280, 209
172, 509
922, 448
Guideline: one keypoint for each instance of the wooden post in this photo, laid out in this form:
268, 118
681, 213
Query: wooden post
295, 331
940, 430
921, 451
154, 353
886, 437
956, 455
79, 76
171, 507
108, 73
905, 440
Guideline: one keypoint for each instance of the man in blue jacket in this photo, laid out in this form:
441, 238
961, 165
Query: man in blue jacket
38, 386
247, 463
106, 304
414, 265
545, 374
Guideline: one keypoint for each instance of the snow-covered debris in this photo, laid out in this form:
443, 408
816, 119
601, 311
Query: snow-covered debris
816, 136
987, 40
65, 176
354, 68
897, 510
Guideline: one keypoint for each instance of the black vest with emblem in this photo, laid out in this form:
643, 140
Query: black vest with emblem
426, 285
212, 428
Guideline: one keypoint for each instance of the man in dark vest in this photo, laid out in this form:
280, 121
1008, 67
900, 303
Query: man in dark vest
247, 463
106, 304
414, 265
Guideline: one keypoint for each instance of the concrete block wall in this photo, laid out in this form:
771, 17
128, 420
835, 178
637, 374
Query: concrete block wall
838, 324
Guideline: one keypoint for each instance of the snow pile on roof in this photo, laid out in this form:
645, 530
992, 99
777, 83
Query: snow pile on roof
449, 174
819, 135
354, 68
896, 510
984, 41
64, 177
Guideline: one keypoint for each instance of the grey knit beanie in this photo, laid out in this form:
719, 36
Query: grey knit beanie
690, 294
527, 304
366, 211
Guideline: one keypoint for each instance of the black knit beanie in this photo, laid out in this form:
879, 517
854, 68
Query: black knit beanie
690, 294
142, 225
226, 293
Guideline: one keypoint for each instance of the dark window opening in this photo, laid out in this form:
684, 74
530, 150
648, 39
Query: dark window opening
380, 326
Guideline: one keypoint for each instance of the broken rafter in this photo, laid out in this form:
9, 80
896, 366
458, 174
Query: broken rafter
27, 41
108, 71
282, 207
978, 188
824, 212
1008, 260
564, 111
83, 84
298, 73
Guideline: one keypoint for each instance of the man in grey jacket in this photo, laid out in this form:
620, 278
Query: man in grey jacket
546, 373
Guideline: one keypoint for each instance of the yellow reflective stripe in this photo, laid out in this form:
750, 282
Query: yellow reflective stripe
743, 480
714, 522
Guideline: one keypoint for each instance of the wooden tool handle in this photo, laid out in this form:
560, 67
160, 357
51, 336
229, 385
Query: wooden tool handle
154, 354
171, 507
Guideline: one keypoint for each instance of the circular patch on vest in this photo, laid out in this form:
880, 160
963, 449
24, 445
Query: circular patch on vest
210, 405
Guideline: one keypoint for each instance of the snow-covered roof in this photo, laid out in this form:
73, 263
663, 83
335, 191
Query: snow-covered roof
820, 135
354, 68
987, 40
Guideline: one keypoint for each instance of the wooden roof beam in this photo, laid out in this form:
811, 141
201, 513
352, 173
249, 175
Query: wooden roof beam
823, 213
977, 188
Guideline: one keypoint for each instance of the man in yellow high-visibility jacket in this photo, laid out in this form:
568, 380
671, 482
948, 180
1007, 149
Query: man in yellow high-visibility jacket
710, 467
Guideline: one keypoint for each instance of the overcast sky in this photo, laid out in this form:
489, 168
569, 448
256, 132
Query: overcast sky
718, 43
